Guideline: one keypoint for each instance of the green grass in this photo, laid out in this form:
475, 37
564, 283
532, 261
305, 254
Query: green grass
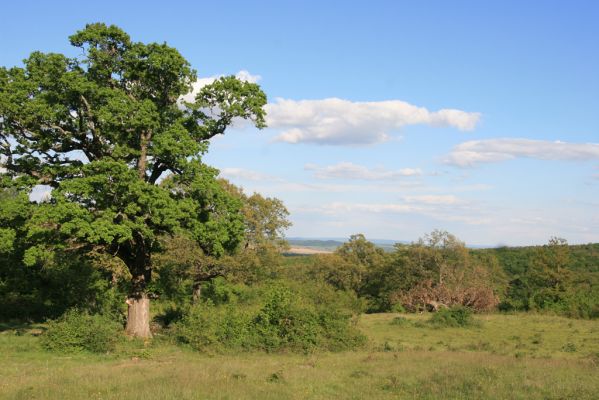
534, 336
503, 357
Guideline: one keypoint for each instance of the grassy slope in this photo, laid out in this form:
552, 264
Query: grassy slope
507, 357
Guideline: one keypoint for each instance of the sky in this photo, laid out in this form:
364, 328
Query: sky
387, 118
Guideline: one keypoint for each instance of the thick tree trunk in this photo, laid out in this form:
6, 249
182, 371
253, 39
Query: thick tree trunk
138, 316
138, 302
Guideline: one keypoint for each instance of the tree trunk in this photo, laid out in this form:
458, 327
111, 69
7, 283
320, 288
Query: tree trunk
138, 316
138, 302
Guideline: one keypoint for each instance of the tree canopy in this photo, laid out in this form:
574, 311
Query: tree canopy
108, 131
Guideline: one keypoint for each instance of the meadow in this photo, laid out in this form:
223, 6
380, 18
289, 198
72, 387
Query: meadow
503, 356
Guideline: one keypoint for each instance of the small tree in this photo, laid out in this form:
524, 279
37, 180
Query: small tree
265, 218
102, 131
437, 270
548, 276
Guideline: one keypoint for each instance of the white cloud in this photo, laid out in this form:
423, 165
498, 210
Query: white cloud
336, 121
493, 150
339, 207
433, 199
246, 174
348, 170
244, 75
201, 82
441, 211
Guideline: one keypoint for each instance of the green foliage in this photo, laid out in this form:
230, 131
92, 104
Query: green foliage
185, 263
220, 291
108, 132
206, 327
334, 270
454, 317
45, 291
283, 319
436, 269
554, 278
78, 331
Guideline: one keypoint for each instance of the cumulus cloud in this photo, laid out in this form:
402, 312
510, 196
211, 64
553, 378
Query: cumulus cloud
473, 152
246, 174
244, 75
201, 82
334, 121
348, 170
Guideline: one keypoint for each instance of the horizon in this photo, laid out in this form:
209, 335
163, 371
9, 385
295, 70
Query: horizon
393, 120
379, 241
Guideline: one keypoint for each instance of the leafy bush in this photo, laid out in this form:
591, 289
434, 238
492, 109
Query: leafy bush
207, 326
288, 320
170, 314
219, 291
78, 331
452, 317
283, 320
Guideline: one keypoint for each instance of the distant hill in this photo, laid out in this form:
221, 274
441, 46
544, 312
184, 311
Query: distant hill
330, 244
333, 244
315, 243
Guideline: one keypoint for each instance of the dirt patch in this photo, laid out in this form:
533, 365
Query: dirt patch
306, 250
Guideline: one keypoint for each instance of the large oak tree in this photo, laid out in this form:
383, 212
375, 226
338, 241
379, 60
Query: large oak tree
104, 130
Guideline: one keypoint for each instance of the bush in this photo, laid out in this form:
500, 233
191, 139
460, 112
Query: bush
169, 315
452, 317
283, 320
78, 331
209, 327
219, 291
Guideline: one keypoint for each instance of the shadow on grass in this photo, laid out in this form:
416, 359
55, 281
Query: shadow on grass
22, 327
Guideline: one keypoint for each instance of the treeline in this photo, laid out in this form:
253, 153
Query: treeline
439, 271
555, 277
434, 272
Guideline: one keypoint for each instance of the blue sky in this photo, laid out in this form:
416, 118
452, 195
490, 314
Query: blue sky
388, 118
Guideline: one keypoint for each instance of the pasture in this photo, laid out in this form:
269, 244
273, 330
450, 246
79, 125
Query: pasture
521, 356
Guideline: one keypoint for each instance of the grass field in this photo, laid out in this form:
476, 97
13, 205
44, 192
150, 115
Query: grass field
505, 357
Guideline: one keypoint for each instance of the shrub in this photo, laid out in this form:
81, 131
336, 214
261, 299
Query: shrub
284, 320
78, 331
206, 326
219, 291
398, 308
452, 317
169, 315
